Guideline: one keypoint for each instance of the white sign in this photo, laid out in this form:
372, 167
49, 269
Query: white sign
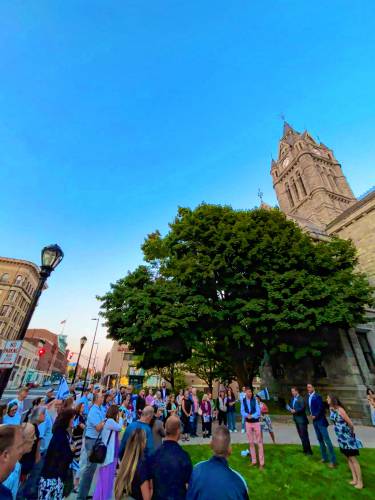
10, 353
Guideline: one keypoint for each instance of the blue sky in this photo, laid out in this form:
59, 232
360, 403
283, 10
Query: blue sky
114, 113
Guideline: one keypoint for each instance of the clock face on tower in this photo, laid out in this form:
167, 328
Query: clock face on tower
286, 162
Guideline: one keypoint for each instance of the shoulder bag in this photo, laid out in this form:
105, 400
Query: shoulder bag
99, 450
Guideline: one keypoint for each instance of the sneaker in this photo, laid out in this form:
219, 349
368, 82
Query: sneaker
235, 430
243, 431
230, 430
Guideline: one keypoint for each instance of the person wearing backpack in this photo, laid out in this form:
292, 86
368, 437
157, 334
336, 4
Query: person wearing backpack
107, 470
250, 410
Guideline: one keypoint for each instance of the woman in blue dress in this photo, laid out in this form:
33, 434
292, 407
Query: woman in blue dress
348, 443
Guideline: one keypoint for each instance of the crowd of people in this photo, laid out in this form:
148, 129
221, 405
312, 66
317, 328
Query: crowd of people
116, 437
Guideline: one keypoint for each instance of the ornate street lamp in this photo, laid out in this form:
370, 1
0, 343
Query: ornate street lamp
83, 341
51, 257
92, 347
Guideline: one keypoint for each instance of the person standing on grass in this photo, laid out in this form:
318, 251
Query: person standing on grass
320, 423
265, 419
171, 465
250, 410
371, 401
194, 418
297, 408
231, 410
348, 443
150, 398
140, 403
214, 479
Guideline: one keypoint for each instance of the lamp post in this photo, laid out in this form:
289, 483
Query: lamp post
51, 256
83, 341
93, 364
92, 347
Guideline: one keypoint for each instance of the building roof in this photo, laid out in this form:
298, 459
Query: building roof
42, 333
18, 262
353, 208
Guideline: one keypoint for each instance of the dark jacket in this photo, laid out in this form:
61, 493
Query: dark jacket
317, 409
299, 416
58, 457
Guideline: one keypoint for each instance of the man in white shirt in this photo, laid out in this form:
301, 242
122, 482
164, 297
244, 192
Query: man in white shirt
22, 395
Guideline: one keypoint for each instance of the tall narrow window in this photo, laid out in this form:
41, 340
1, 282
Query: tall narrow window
4, 278
289, 194
295, 190
301, 184
18, 280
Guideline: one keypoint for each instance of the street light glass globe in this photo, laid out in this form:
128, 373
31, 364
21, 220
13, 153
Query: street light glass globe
83, 341
52, 255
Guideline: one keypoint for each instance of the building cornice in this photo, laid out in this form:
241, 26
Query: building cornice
343, 217
18, 262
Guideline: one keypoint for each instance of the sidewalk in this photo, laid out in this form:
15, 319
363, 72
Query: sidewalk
287, 434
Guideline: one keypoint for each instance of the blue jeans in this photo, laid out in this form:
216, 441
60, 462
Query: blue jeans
243, 423
231, 420
324, 442
194, 425
88, 472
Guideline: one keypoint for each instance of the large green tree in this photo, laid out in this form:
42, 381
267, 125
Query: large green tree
251, 281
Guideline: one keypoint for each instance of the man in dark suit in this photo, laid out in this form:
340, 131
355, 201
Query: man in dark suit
320, 423
298, 410
164, 391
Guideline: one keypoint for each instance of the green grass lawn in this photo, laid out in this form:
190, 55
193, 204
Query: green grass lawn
290, 474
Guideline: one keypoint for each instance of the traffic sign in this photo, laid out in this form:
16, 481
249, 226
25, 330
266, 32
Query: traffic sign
10, 353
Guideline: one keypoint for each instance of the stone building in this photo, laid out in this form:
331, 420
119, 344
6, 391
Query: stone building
311, 189
18, 281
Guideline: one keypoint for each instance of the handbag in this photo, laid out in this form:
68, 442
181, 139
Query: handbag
200, 412
99, 450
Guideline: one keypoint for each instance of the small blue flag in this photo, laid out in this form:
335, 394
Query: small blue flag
264, 394
63, 390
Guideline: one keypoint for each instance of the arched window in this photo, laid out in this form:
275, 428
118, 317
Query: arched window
4, 278
301, 184
295, 190
18, 280
289, 194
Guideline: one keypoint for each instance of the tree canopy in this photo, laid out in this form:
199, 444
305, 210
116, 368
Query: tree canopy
227, 285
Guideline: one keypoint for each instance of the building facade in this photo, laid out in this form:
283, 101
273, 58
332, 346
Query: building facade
18, 281
25, 369
54, 361
311, 189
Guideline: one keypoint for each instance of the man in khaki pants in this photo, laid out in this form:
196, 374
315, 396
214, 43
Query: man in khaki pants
250, 411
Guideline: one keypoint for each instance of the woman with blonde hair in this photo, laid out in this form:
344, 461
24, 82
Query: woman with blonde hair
134, 475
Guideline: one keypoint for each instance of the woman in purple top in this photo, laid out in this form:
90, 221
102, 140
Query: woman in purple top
206, 416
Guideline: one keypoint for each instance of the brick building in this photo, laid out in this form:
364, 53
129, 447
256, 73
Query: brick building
54, 362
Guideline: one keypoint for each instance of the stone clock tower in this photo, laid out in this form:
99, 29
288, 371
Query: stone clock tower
308, 180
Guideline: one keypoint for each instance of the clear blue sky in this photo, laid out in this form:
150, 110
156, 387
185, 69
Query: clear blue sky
113, 113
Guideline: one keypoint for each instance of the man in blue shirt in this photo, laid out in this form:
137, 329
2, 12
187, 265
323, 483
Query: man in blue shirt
250, 411
171, 465
214, 479
320, 424
94, 425
142, 423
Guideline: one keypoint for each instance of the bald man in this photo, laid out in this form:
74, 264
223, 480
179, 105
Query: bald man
214, 479
143, 423
171, 465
